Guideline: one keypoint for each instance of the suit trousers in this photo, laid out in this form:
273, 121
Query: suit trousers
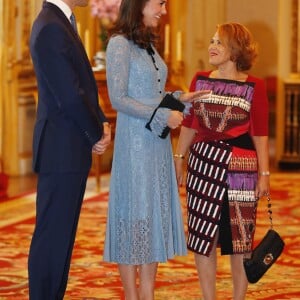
58, 205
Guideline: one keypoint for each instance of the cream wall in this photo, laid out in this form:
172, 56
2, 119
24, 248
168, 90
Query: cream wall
200, 23
261, 17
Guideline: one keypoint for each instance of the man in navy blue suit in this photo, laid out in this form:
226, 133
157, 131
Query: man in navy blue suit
70, 126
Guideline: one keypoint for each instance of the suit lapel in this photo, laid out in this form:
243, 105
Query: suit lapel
76, 37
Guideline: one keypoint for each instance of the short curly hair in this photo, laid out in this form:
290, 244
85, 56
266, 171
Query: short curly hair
240, 41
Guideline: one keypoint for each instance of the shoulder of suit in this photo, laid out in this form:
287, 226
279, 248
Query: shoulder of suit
62, 6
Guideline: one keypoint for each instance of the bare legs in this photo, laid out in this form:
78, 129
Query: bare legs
128, 275
207, 269
147, 281
145, 273
240, 282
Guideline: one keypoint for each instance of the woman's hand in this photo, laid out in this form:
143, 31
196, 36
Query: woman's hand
262, 187
261, 144
179, 170
192, 96
175, 119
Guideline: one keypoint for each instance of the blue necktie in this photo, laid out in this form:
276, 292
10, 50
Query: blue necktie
73, 22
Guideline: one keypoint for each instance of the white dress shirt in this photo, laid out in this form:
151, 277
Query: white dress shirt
63, 7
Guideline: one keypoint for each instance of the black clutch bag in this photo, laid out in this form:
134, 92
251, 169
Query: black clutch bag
169, 101
265, 253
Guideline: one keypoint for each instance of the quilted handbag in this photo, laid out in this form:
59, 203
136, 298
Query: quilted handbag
265, 253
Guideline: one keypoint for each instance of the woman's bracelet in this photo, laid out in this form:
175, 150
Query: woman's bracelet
264, 173
179, 156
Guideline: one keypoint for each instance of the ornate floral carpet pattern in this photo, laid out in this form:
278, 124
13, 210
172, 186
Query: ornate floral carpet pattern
90, 278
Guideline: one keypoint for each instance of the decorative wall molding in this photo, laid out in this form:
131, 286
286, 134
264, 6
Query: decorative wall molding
295, 42
17, 83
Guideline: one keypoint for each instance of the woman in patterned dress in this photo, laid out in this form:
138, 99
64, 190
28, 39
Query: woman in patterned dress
228, 165
144, 223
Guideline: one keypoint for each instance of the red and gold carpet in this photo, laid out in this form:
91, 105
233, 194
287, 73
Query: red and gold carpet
90, 278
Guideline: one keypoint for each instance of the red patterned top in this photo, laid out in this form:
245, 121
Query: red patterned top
232, 109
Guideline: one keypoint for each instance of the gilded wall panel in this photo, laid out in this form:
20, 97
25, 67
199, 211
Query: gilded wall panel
17, 83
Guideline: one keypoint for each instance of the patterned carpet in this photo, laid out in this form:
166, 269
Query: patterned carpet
90, 278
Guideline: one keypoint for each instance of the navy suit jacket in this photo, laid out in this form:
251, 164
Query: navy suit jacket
69, 120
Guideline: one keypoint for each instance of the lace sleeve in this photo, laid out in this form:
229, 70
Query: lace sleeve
117, 73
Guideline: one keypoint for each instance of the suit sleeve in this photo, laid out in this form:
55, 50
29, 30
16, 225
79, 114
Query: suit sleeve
58, 63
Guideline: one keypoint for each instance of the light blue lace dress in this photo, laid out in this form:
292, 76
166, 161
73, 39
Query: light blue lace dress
144, 223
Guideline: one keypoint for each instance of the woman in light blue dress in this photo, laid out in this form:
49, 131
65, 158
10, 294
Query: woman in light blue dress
144, 224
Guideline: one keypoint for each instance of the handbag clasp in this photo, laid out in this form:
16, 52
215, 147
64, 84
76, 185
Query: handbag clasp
268, 259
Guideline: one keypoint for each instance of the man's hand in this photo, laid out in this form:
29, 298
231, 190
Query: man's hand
101, 145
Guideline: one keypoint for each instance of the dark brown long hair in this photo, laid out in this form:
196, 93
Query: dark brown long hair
240, 40
130, 23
